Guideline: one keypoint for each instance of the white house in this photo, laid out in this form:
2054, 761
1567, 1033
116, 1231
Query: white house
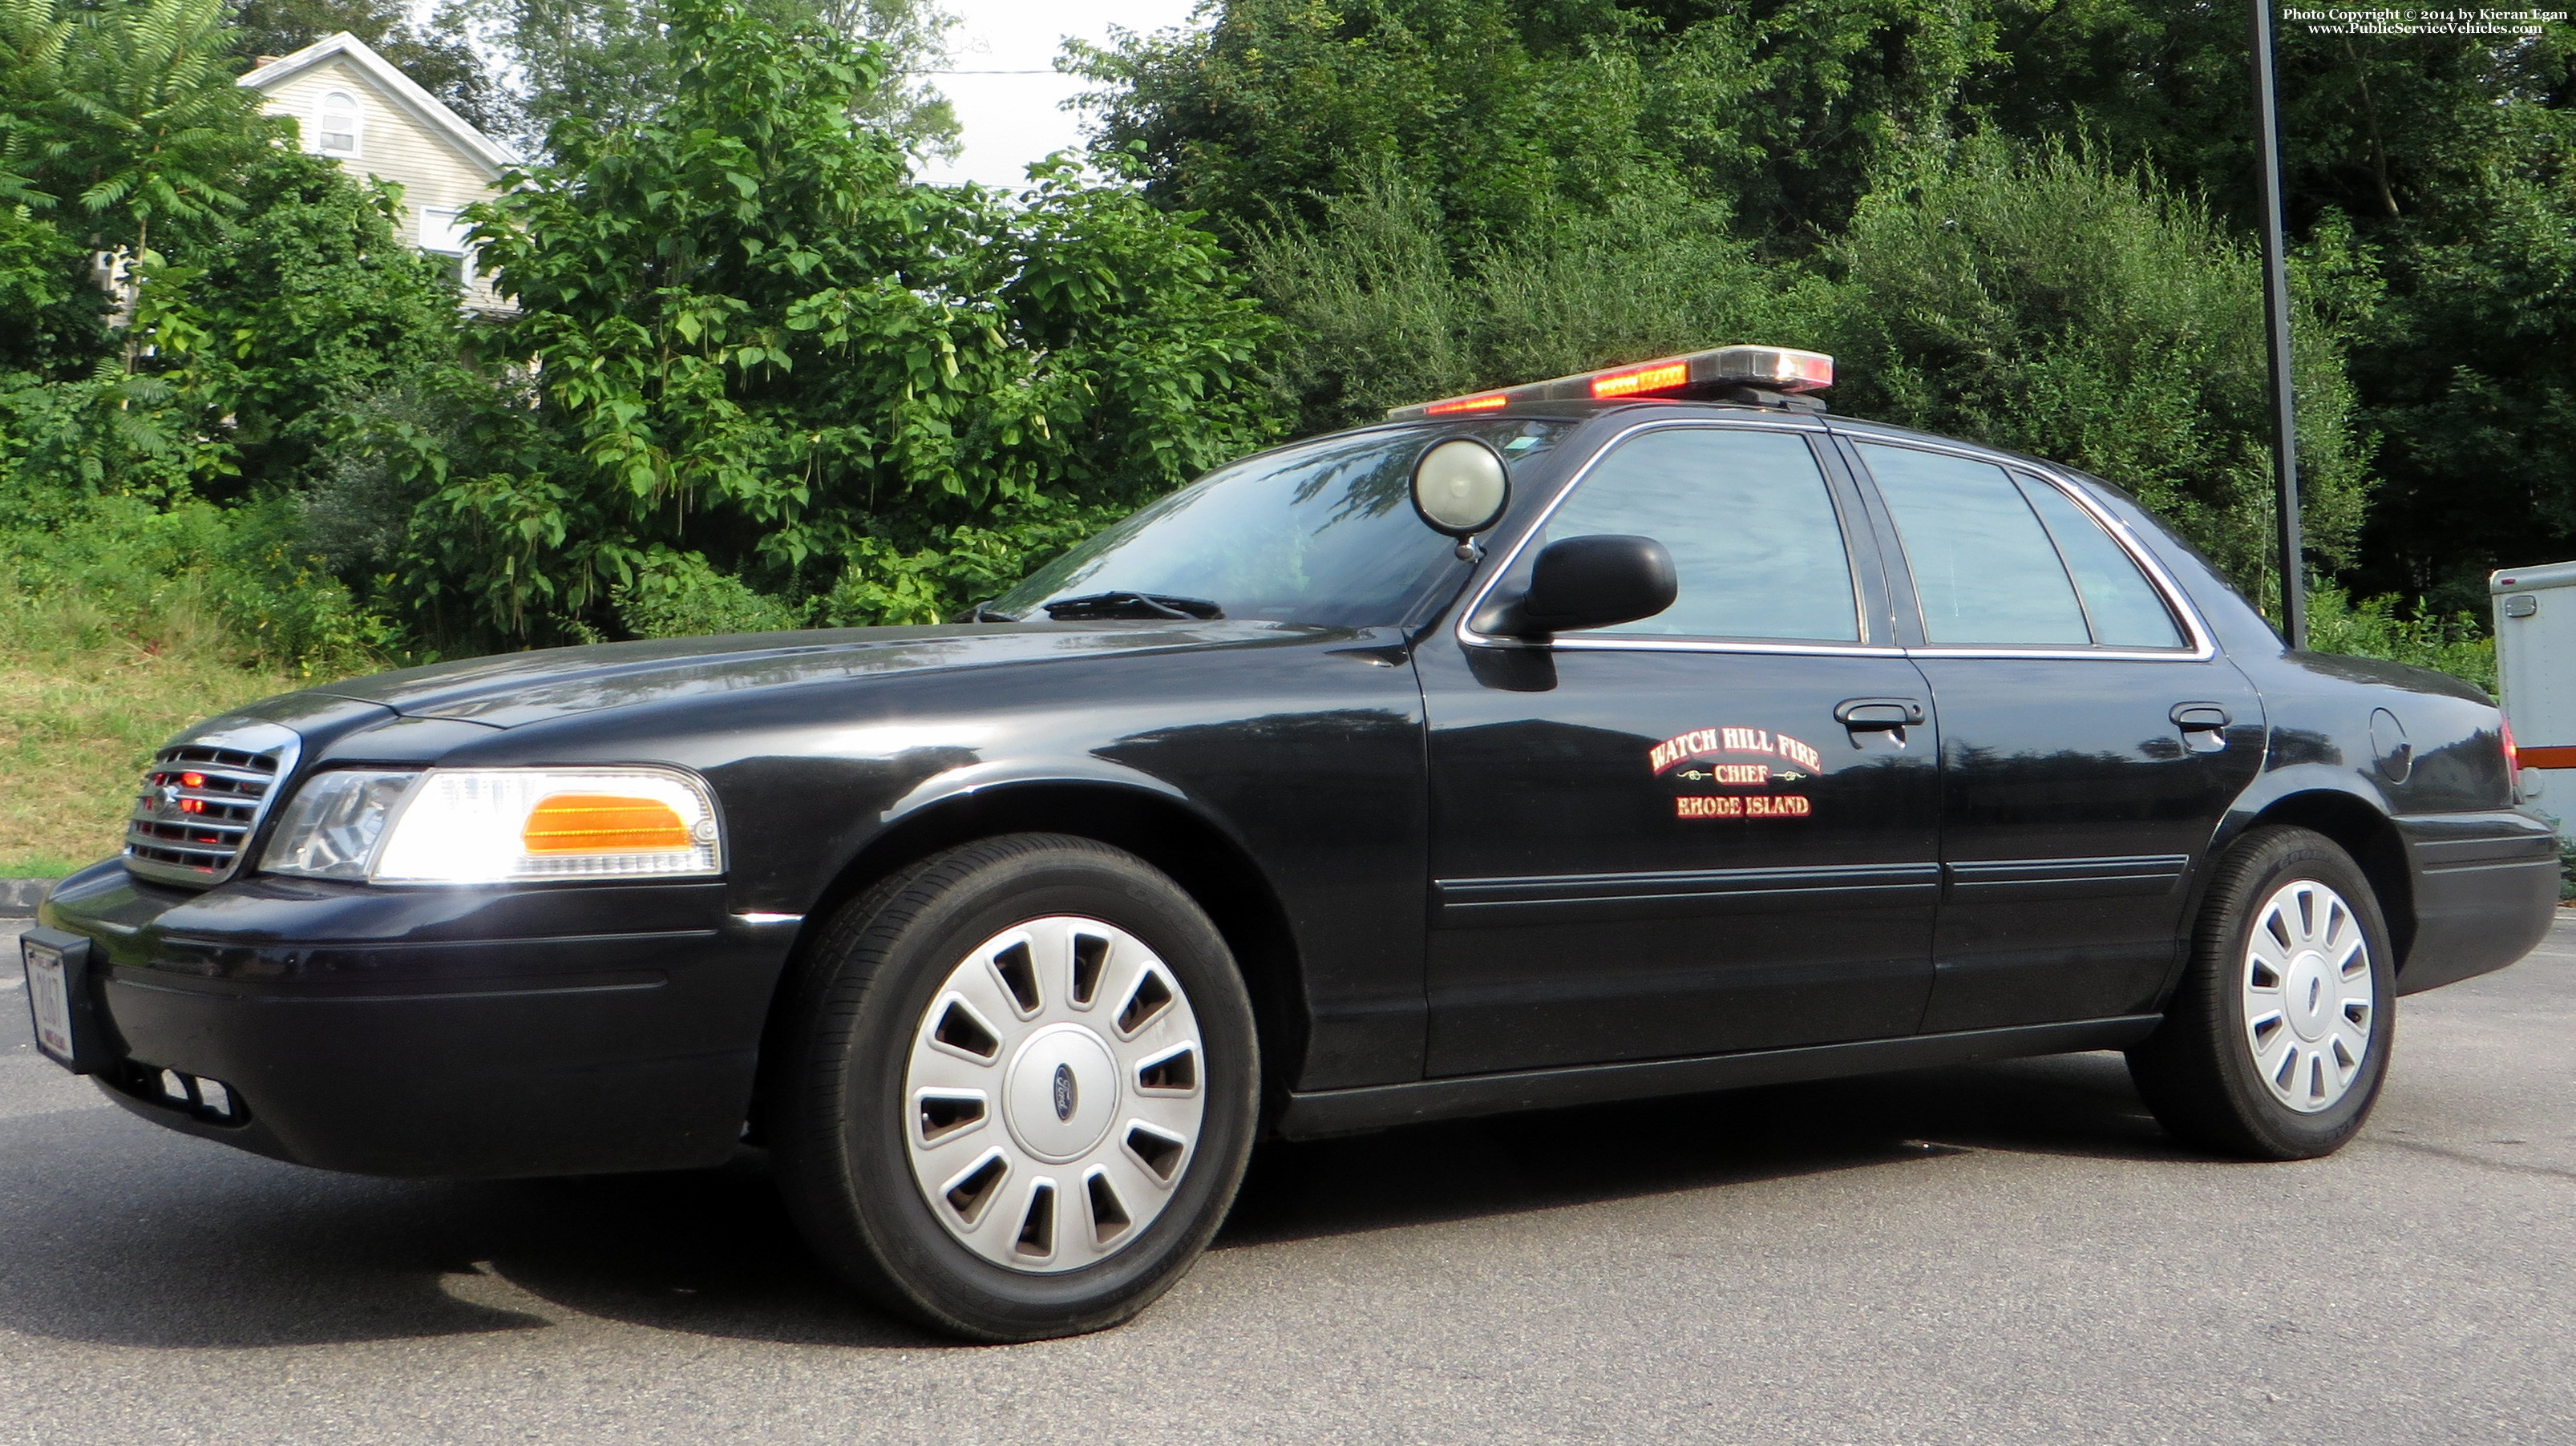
353, 106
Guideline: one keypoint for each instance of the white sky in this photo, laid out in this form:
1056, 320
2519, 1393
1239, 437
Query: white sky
1010, 120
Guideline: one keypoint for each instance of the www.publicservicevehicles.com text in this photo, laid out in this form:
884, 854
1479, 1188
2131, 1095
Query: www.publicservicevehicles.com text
2414, 21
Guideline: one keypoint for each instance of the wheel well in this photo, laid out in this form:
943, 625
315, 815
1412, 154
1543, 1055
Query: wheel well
2366, 834
1209, 866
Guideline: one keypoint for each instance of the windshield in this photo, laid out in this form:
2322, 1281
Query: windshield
1322, 533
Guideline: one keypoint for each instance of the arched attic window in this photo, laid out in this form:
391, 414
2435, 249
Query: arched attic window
338, 135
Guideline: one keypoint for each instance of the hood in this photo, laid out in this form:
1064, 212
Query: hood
514, 688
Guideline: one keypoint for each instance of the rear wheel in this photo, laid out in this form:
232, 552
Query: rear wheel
2278, 1039
1016, 1088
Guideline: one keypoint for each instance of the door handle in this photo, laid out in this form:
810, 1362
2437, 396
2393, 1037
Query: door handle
1865, 714
2203, 725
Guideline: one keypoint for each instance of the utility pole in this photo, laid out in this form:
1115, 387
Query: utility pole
2276, 326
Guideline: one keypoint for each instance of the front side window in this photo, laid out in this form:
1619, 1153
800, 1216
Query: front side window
1323, 533
2001, 560
1757, 546
338, 133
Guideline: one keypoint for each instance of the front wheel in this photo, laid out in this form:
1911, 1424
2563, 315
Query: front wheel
2278, 1038
1016, 1087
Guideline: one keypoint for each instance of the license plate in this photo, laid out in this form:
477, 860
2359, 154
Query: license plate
49, 997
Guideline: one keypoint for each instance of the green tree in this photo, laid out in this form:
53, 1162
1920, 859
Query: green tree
612, 62
311, 303
266, 288
2444, 155
2374, 127
113, 120
1383, 315
758, 344
2473, 378
2038, 299
162, 128
1509, 116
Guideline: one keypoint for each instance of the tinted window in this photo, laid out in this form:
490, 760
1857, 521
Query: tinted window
1984, 569
1752, 530
1324, 533
2118, 600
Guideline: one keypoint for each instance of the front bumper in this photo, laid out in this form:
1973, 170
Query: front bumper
451, 1032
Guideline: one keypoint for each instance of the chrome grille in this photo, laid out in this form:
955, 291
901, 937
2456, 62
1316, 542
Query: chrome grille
201, 800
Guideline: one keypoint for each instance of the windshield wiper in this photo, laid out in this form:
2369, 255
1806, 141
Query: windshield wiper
985, 612
1132, 605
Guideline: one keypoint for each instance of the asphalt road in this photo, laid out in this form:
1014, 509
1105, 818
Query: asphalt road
2001, 1253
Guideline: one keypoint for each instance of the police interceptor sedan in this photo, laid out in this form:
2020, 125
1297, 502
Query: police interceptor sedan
1628, 734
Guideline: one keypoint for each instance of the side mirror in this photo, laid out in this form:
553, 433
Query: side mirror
1460, 488
1587, 582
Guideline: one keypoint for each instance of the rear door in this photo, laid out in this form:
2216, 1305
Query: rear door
1657, 840
2091, 739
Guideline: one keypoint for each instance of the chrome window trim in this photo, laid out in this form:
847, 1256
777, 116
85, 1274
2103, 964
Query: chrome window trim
1702, 645
1798, 425
2203, 646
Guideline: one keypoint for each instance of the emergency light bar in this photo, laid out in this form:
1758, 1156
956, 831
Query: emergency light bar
1769, 368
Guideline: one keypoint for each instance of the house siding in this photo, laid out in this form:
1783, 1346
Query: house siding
392, 146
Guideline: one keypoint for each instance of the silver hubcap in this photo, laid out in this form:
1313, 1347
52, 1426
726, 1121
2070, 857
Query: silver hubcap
1053, 1097
2308, 996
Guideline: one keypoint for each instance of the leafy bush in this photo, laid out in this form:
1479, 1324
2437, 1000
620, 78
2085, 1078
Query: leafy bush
2382, 627
230, 581
677, 595
883, 585
1383, 316
2038, 299
1512, 119
752, 340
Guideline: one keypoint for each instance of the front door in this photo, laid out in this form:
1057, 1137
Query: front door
1659, 840
2090, 743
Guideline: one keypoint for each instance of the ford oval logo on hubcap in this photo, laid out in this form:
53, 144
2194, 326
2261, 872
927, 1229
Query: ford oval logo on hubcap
1064, 1092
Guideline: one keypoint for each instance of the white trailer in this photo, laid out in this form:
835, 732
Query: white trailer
2535, 637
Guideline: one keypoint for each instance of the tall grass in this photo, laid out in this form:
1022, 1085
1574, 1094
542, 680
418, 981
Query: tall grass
86, 693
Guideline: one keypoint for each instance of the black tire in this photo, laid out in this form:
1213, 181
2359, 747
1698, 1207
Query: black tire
2198, 1071
835, 1083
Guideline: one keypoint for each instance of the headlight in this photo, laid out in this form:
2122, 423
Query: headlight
330, 830
496, 825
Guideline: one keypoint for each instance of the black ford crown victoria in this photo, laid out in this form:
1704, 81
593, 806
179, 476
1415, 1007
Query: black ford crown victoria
1568, 743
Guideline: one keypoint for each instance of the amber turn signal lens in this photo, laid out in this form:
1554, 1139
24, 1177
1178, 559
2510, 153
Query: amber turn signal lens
602, 823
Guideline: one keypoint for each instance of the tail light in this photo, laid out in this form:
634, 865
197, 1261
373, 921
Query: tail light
2512, 756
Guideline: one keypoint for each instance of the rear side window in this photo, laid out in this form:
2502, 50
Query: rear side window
2123, 607
1757, 547
2002, 561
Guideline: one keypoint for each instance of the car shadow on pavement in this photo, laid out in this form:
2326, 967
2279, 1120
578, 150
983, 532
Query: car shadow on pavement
116, 1233
2079, 1105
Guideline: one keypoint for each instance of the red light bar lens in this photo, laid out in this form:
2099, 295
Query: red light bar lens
1466, 404
1653, 378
